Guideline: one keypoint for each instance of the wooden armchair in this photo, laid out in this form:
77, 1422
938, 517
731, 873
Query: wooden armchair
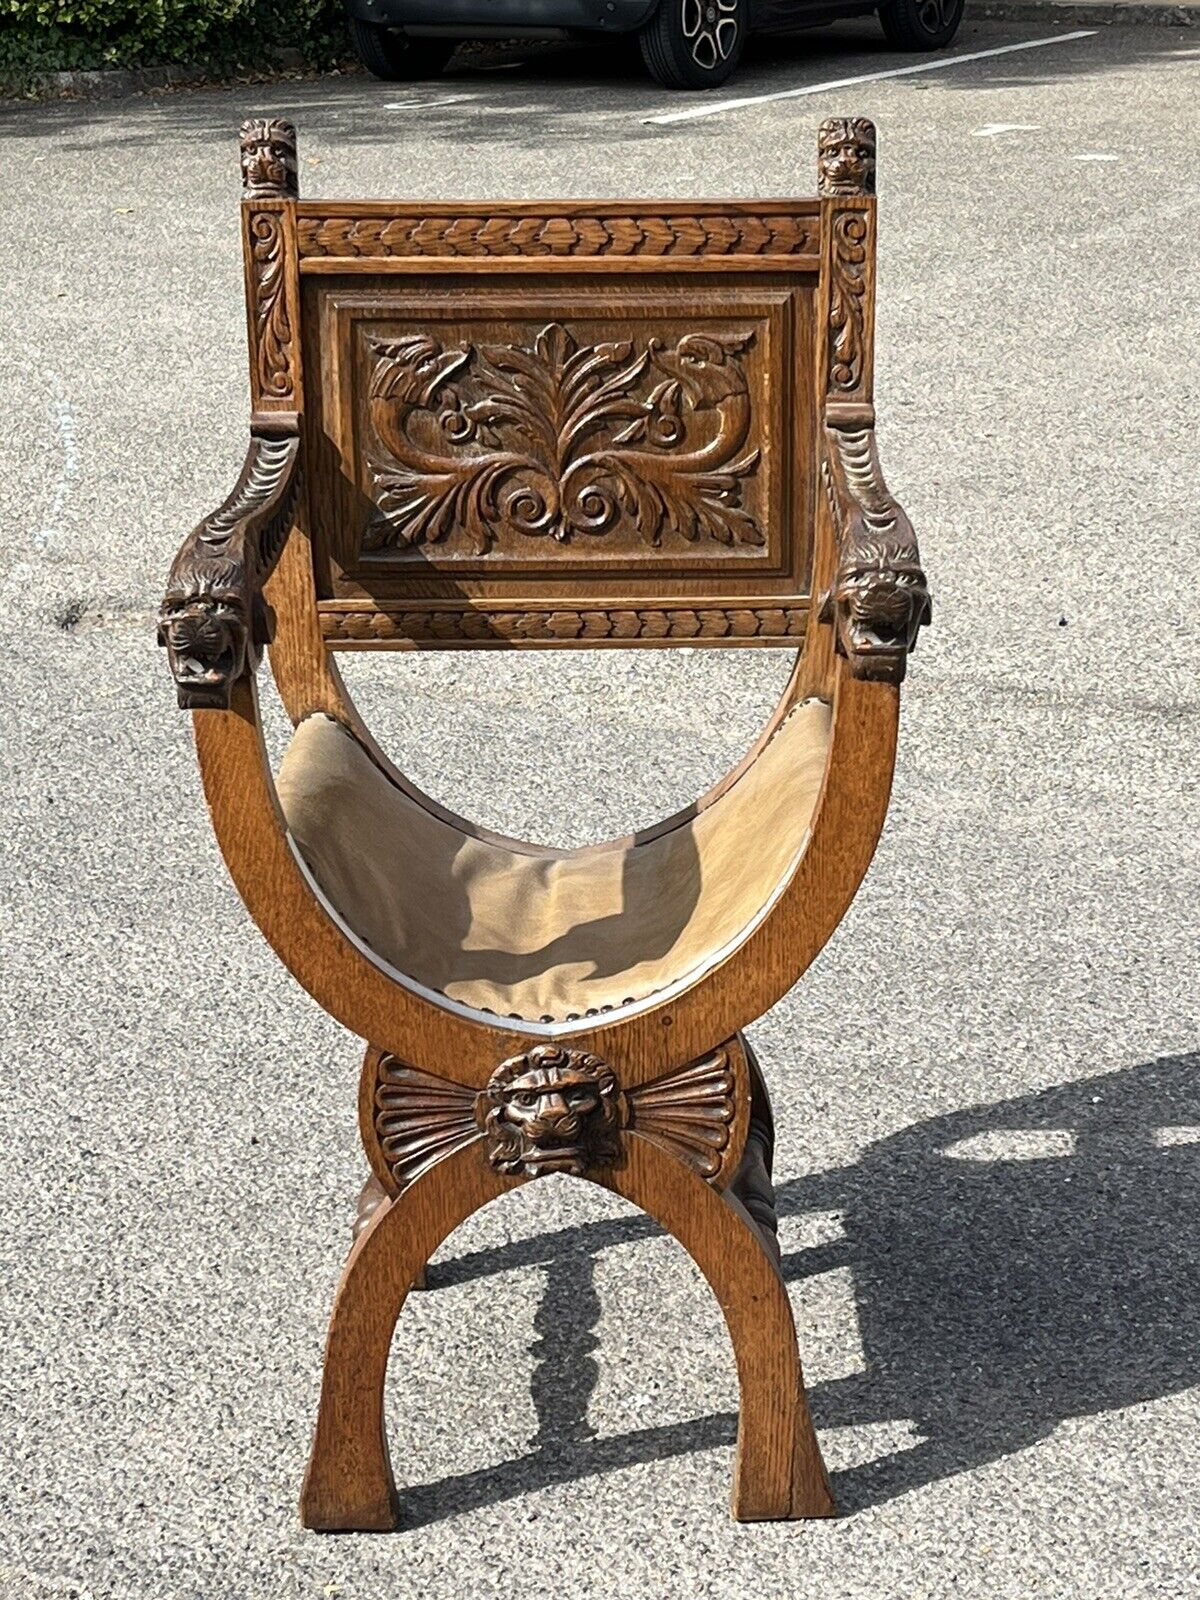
545, 426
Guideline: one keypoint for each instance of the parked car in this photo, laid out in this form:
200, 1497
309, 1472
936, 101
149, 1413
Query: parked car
686, 44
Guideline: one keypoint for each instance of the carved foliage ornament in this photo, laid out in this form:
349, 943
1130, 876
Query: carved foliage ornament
273, 339
847, 307
846, 156
556, 438
214, 620
553, 1109
879, 600
715, 234
268, 147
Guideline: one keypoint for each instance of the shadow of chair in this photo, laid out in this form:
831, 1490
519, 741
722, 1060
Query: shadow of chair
1014, 1265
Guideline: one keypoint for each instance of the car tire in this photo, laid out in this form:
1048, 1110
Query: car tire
391, 56
920, 24
694, 44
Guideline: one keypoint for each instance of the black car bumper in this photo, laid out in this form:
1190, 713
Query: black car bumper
471, 18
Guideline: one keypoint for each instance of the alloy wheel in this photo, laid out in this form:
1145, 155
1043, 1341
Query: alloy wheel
934, 15
710, 28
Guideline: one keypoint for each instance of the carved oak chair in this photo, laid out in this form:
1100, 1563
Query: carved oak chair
538, 426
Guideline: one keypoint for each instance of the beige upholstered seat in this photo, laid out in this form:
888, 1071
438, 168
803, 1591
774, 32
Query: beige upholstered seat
547, 935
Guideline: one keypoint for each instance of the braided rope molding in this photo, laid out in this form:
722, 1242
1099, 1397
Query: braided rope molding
700, 235
617, 625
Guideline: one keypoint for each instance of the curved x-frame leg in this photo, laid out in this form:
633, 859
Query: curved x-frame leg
778, 1470
349, 1483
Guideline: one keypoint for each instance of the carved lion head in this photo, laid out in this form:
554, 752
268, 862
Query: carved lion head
881, 605
551, 1109
204, 628
846, 156
268, 157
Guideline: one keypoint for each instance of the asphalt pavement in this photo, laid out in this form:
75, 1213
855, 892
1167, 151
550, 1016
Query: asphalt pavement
987, 1085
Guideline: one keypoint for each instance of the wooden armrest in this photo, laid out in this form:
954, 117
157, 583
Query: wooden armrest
214, 621
879, 597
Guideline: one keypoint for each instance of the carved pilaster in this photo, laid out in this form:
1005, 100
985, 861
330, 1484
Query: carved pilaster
269, 185
878, 599
846, 173
851, 305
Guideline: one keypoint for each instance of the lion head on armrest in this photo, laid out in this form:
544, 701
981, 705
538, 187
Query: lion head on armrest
207, 630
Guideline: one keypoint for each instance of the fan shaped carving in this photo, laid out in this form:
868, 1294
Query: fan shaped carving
690, 1113
419, 1118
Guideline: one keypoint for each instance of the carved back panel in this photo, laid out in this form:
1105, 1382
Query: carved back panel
549, 424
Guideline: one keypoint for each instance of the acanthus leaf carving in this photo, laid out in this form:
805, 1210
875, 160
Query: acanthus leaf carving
556, 438
572, 623
686, 235
273, 335
847, 309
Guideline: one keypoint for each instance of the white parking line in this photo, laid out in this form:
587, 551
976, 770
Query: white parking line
993, 130
428, 105
714, 109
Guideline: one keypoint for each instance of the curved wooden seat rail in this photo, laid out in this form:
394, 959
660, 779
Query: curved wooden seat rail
461, 438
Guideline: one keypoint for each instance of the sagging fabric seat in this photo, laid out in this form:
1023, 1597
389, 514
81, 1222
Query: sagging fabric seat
549, 935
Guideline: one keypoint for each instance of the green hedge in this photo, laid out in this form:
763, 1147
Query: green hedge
51, 35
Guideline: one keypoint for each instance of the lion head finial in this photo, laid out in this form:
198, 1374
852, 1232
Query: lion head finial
268, 158
846, 156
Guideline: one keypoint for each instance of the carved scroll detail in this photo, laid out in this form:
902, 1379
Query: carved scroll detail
567, 626
690, 1112
847, 310
716, 234
214, 620
273, 337
846, 156
268, 146
497, 444
879, 600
